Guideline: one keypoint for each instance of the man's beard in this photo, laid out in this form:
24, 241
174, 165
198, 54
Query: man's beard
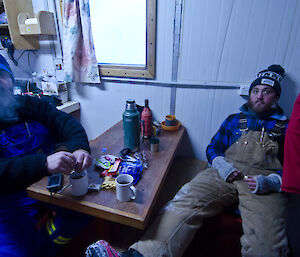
8, 105
259, 106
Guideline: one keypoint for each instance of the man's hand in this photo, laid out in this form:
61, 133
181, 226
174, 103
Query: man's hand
62, 161
236, 175
251, 182
83, 160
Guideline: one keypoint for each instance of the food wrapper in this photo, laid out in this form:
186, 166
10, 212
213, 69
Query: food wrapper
108, 183
105, 161
133, 169
94, 187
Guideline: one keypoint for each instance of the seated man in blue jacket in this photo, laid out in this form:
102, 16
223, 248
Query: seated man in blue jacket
31, 128
246, 159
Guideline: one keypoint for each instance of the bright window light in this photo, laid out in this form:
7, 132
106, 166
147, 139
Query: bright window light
119, 31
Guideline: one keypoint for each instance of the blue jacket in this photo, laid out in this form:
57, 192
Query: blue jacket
230, 131
23, 170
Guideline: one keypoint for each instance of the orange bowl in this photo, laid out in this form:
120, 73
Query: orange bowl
170, 117
170, 128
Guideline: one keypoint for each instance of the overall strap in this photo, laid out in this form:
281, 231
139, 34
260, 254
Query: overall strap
278, 129
243, 122
25, 138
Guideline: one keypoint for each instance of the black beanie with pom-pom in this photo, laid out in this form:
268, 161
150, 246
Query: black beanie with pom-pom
271, 77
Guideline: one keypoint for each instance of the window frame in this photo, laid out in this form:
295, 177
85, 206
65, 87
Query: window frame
134, 71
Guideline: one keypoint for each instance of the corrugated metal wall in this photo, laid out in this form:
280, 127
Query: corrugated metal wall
230, 41
223, 43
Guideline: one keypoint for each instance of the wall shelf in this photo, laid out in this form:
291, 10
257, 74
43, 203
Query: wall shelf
25, 36
12, 9
41, 24
69, 107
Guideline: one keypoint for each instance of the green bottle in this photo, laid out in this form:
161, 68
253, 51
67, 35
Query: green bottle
131, 126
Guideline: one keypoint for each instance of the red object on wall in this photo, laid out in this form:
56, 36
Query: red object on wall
146, 119
291, 174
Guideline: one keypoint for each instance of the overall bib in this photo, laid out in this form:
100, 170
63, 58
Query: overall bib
20, 233
207, 194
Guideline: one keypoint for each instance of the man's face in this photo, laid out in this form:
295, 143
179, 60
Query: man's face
262, 98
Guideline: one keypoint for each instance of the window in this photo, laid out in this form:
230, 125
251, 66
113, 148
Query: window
124, 36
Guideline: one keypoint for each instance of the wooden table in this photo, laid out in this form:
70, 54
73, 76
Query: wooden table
104, 204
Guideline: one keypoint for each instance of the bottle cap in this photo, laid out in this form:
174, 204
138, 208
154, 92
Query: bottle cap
130, 104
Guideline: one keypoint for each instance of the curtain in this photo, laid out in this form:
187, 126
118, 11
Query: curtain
80, 63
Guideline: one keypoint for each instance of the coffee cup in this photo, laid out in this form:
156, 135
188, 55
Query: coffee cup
154, 144
170, 120
79, 183
124, 188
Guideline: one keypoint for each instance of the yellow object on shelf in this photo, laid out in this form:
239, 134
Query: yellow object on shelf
41, 24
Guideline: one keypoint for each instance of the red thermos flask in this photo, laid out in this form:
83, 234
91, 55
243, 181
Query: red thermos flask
146, 119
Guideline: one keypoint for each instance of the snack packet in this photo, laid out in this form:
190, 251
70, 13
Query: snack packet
132, 168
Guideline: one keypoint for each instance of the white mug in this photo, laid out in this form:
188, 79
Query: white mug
125, 190
79, 183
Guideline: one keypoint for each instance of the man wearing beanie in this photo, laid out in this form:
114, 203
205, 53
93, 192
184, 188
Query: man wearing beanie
246, 164
30, 128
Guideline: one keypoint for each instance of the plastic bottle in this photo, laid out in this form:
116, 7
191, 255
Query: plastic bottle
131, 126
146, 119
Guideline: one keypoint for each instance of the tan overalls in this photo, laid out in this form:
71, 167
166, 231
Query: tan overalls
263, 216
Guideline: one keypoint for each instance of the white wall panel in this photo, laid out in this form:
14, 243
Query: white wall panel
259, 38
102, 106
291, 85
204, 29
231, 40
164, 39
202, 111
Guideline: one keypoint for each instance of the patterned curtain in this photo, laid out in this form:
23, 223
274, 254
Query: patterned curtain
80, 63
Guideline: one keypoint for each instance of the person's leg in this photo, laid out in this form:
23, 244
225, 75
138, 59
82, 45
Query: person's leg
263, 221
17, 238
173, 229
293, 231
20, 235
17, 225
59, 230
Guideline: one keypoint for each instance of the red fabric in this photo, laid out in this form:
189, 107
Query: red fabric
291, 163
